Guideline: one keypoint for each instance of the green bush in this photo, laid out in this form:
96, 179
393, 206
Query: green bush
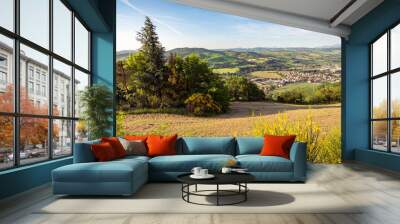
240, 88
219, 94
307, 94
120, 120
329, 92
290, 96
201, 104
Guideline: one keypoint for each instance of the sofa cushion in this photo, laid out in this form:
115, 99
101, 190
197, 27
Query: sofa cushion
116, 145
132, 158
249, 145
112, 171
103, 152
185, 163
136, 137
134, 147
83, 152
161, 145
277, 145
257, 163
206, 145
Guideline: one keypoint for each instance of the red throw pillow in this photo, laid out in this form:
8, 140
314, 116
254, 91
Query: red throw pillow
277, 145
116, 145
161, 145
103, 152
135, 138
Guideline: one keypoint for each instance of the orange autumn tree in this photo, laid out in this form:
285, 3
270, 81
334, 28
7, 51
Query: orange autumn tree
33, 130
6, 122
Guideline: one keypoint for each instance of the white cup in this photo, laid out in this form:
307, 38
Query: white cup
196, 171
203, 172
226, 170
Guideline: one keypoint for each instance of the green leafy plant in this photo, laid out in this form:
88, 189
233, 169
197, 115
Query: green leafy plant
97, 102
121, 116
201, 104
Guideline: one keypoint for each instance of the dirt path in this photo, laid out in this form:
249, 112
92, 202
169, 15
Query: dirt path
238, 122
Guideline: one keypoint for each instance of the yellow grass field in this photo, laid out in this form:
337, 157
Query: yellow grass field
225, 70
238, 122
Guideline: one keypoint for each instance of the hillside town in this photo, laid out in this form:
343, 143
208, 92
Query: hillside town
289, 77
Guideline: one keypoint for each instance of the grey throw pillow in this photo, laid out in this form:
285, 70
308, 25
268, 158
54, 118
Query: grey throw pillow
137, 147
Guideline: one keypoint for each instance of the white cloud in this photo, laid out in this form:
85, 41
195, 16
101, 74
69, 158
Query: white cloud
154, 18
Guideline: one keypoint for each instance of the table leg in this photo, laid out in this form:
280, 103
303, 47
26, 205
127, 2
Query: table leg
245, 193
195, 188
182, 188
217, 194
188, 189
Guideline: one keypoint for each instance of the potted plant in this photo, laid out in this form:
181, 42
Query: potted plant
96, 102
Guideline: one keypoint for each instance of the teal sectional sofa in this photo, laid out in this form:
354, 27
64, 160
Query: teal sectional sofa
125, 176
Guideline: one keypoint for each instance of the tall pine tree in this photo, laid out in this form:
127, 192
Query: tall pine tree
154, 77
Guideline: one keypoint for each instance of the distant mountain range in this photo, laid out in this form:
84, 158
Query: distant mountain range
260, 58
124, 54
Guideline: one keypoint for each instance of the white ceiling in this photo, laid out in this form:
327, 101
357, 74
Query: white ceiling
321, 9
314, 15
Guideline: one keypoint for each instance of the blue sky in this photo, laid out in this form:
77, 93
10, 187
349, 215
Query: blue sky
185, 26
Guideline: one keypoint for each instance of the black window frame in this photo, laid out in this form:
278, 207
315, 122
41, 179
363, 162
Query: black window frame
388, 74
16, 114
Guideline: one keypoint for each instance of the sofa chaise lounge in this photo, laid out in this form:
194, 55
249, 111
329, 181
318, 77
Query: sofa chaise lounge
125, 176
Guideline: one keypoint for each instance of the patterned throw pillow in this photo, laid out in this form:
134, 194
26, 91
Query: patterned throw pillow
134, 147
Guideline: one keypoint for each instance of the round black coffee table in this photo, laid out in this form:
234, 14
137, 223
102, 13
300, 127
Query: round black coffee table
238, 179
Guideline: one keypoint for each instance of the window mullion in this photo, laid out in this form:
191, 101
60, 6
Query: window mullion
389, 104
73, 81
16, 70
371, 142
50, 81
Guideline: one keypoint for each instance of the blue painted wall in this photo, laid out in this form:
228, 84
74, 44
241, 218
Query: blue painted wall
100, 16
103, 64
103, 53
356, 84
24, 178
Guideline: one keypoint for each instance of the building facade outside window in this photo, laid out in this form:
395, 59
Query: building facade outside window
30, 87
385, 94
44, 117
3, 71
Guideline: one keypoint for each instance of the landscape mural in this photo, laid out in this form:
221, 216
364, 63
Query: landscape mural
235, 91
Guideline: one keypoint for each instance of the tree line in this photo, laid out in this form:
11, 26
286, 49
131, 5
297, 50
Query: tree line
325, 93
150, 79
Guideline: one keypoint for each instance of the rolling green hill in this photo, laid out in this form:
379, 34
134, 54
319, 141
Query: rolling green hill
247, 60
257, 59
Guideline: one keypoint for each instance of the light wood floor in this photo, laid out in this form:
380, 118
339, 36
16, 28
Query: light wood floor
378, 189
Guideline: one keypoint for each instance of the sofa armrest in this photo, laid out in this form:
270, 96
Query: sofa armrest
83, 152
298, 155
